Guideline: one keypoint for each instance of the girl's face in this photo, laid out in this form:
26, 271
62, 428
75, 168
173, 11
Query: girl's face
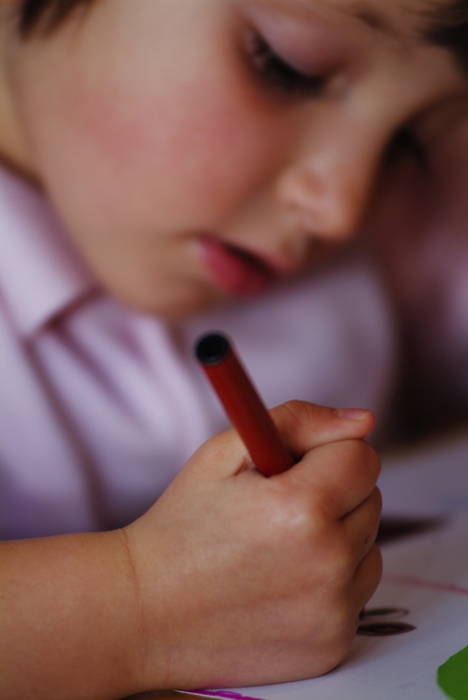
200, 149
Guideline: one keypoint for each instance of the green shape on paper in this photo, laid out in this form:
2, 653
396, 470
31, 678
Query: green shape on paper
452, 676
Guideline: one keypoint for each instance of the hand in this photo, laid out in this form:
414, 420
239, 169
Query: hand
243, 579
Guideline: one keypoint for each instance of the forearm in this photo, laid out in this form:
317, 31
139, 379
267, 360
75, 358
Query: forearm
69, 622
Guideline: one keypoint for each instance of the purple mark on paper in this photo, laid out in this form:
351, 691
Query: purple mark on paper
424, 583
228, 694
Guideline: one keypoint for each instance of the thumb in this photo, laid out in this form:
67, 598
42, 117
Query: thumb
304, 426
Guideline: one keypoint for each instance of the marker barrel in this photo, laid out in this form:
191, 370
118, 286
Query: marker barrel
243, 405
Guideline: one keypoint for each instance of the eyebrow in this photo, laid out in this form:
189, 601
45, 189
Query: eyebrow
446, 27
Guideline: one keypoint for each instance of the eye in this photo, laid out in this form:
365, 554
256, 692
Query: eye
280, 75
405, 142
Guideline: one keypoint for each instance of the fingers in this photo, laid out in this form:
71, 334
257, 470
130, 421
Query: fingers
362, 524
252, 547
366, 578
221, 456
338, 476
304, 426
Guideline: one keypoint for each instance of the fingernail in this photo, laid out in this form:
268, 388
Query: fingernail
352, 413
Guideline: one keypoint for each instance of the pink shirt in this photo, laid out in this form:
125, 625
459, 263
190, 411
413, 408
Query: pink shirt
101, 406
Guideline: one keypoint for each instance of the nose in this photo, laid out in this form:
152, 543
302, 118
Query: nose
328, 184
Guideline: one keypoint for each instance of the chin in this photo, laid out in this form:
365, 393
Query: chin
172, 307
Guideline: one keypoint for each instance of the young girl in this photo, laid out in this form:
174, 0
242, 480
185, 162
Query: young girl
170, 156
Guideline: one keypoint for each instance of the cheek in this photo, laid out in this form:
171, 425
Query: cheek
189, 150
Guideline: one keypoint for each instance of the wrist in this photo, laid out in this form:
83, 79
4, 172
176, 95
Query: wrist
68, 613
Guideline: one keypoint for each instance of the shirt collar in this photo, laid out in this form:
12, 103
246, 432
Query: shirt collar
41, 275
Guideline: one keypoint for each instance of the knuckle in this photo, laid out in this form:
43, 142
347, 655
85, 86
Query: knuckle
373, 460
338, 561
373, 505
297, 412
376, 558
363, 459
377, 497
289, 512
373, 563
300, 413
345, 563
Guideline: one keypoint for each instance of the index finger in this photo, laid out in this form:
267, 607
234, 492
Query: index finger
304, 426
337, 477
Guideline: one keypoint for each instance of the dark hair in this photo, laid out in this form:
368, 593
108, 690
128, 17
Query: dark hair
46, 14
447, 26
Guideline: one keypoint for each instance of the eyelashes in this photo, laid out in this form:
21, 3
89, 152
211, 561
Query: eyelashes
279, 75
283, 79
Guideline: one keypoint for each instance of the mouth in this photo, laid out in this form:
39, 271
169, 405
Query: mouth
235, 270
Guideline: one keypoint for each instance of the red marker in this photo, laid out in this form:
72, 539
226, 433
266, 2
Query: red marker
243, 405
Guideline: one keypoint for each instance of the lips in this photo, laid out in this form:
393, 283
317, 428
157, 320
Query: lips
235, 270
